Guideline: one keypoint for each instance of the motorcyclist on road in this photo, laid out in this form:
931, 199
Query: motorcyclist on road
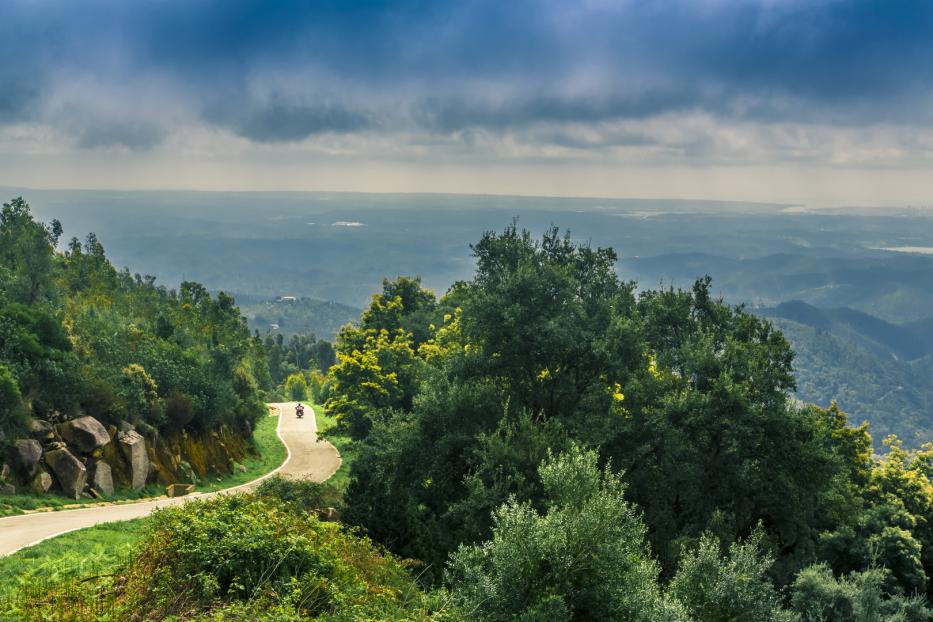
299, 410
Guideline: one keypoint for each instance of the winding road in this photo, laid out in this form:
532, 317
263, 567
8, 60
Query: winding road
306, 457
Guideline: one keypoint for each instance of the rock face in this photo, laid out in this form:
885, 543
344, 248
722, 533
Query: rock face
40, 429
71, 474
41, 482
133, 446
85, 433
7, 489
25, 454
102, 478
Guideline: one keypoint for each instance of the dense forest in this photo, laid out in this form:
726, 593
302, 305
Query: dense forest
298, 316
83, 341
876, 370
552, 446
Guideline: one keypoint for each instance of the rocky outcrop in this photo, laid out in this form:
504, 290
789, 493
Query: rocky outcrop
24, 455
101, 478
85, 433
84, 457
133, 447
41, 483
40, 429
70, 473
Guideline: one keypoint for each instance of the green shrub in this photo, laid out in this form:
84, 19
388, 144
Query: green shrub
12, 413
179, 409
819, 596
296, 387
303, 494
252, 554
736, 587
585, 559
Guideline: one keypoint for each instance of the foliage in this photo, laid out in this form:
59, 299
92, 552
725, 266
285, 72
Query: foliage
893, 528
302, 353
207, 555
876, 371
819, 596
304, 494
296, 387
26, 252
80, 337
328, 430
377, 368
302, 316
687, 395
735, 587
586, 558
11, 409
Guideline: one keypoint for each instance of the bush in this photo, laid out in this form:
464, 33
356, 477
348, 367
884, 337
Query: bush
296, 388
303, 494
12, 414
585, 559
858, 597
179, 409
730, 587
250, 554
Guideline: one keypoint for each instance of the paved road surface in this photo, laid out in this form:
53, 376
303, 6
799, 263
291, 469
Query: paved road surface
307, 457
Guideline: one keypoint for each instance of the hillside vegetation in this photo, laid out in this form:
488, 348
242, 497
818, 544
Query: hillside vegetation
92, 356
457, 402
297, 317
877, 371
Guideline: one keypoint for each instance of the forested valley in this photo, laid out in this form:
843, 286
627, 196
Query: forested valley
543, 442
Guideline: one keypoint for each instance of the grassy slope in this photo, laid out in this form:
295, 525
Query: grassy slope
271, 454
87, 552
344, 445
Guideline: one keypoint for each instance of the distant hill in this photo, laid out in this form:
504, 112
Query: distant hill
877, 371
299, 315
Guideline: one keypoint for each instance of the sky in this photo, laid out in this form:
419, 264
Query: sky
819, 102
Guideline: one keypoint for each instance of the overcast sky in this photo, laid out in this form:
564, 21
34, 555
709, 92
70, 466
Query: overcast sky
815, 101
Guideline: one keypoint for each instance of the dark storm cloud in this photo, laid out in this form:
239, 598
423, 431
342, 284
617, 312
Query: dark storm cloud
133, 135
284, 122
286, 70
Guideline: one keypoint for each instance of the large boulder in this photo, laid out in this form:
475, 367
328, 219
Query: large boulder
133, 446
41, 482
24, 455
7, 488
70, 473
41, 429
102, 478
85, 433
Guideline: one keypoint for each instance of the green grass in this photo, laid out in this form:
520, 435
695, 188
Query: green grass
87, 552
11, 505
344, 445
271, 453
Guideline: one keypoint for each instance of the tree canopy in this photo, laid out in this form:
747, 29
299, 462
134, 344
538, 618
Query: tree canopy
78, 336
